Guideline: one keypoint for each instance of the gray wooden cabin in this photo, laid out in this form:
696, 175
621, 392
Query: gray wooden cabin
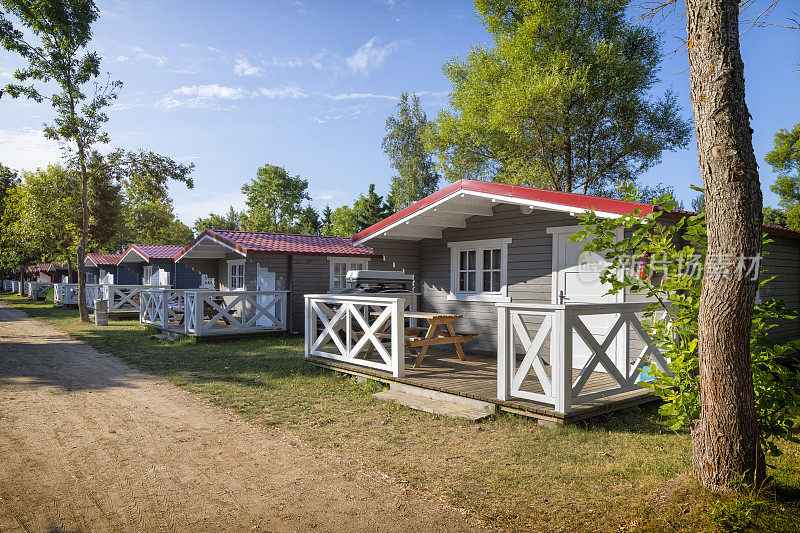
499, 256
299, 264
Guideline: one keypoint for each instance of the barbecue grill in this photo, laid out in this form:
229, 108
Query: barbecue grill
378, 281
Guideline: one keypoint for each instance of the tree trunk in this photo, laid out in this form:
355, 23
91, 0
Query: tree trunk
725, 441
84, 312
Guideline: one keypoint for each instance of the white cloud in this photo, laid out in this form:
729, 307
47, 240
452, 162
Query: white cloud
289, 91
27, 149
213, 90
370, 56
361, 96
139, 54
210, 96
6, 75
244, 68
288, 62
351, 112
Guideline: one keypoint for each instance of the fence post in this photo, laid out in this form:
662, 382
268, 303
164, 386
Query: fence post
562, 369
307, 327
398, 338
505, 345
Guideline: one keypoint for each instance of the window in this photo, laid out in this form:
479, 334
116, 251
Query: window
340, 266
91, 278
147, 275
479, 270
236, 275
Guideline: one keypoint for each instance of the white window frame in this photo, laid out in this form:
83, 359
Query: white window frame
478, 247
236, 263
91, 276
350, 261
147, 275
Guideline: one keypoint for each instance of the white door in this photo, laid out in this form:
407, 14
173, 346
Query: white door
576, 279
266, 282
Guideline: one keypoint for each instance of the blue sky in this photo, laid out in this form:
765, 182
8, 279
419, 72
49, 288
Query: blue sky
308, 85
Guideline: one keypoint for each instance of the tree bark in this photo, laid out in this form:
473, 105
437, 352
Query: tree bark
82, 309
725, 441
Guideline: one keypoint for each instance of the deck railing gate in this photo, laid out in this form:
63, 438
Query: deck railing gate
559, 323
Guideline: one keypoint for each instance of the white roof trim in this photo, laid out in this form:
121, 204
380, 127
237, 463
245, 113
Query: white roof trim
216, 241
495, 198
132, 249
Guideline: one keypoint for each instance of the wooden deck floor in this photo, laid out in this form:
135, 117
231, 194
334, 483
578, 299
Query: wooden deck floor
477, 378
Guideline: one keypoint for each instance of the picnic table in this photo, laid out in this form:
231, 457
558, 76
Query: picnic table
440, 331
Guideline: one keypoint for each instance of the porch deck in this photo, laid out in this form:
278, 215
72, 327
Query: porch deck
476, 378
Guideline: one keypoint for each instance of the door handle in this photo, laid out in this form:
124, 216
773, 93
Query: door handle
561, 297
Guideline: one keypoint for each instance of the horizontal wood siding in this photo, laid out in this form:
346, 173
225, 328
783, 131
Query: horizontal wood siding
209, 267
310, 275
782, 260
185, 277
128, 275
530, 254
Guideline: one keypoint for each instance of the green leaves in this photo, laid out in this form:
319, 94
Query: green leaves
672, 254
559, 101
416, 175
274, 200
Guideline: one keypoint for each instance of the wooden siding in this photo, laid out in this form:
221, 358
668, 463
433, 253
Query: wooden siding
782, 260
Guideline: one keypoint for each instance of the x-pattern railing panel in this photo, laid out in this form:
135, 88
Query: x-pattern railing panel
559, 323
352, 328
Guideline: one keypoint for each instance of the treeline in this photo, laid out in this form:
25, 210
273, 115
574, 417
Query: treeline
128, 201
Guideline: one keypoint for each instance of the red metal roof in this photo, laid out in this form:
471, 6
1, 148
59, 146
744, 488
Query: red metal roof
248, 242
577, 201
104, 259
45, 267
156, 251
567, 199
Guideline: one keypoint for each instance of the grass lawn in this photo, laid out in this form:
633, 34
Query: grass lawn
621, 472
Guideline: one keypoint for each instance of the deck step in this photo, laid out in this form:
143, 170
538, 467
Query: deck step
436, 402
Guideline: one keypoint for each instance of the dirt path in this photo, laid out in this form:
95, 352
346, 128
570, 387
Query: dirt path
89, 444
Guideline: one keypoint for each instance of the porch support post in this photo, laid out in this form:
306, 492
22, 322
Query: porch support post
562, 363
505, 344
398, 338
307, 329
165, 295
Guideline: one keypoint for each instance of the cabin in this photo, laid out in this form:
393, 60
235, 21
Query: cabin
255, 282
154, 264
510, 313
102, 269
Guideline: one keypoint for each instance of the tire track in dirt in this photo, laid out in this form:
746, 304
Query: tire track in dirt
88, 443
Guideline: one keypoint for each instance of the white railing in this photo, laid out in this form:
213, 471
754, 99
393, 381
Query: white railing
125, 298
65, 294
8, 285
546, 376
353, 328
163, 308
94, 291
234, 312
37, 289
